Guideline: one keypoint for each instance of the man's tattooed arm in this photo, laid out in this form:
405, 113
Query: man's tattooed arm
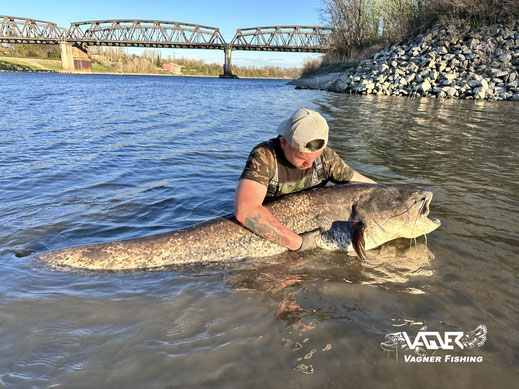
265, 228
249, 211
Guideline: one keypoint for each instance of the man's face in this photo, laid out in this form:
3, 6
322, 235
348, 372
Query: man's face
297, 158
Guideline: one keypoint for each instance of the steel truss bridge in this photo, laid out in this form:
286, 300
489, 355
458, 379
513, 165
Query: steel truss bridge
155, 33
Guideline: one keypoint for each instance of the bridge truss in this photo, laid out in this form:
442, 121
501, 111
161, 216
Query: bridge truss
145, 33
154, 33
283, 38
23, 30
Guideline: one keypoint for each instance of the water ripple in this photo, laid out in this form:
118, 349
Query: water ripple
99, 158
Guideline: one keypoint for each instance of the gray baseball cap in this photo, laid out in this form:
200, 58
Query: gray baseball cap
302, 127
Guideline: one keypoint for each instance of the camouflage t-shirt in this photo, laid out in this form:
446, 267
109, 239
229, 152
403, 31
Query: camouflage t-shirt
260, 167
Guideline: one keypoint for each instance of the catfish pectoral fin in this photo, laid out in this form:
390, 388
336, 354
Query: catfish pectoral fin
357, 239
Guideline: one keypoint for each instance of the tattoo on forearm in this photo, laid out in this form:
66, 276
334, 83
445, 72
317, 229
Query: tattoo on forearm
263, 228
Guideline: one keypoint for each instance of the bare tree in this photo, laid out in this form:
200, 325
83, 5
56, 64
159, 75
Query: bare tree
355, 22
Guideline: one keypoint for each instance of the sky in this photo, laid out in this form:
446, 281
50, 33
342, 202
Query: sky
227, 15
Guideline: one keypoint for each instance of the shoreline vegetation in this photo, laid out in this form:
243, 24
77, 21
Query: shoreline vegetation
109, 60
466, 49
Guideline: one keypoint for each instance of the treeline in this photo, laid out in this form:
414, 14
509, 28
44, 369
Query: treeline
150, 61
364, 24
196, 66
200, 67
267, 71
118, 60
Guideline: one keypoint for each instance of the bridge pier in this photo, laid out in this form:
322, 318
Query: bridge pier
227, 68
74, 59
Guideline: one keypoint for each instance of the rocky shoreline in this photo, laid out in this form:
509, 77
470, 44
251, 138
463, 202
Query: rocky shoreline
448, 61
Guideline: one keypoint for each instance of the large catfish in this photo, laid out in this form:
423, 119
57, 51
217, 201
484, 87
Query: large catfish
351, 218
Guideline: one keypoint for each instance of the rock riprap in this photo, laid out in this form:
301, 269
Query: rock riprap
448, 61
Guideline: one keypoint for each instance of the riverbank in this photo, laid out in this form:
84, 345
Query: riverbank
24, 70
448, 61
29, 64
15, 64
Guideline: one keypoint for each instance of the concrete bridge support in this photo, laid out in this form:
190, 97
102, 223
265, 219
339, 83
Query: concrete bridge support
74, 59
227, 68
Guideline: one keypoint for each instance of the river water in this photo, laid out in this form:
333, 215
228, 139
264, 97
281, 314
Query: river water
93, 158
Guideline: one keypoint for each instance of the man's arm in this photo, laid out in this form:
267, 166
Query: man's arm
339, 172
250, 212
359, 178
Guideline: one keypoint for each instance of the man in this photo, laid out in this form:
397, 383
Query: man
297, 159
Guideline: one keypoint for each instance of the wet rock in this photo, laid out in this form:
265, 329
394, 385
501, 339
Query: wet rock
425, 86
479, 93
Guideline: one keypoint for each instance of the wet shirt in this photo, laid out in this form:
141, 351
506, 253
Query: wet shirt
260, 167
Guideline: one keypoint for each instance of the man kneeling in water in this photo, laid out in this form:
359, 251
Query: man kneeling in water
297, 159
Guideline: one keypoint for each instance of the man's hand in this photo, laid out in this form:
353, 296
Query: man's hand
309, 240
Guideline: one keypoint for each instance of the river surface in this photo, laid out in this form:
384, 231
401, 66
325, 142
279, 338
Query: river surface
96, 158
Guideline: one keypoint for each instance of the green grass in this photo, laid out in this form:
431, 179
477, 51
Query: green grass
189, 70
98, 68
29, 64
53, 66
12, 66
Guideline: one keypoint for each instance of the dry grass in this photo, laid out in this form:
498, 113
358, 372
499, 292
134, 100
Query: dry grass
471, 9
326, 64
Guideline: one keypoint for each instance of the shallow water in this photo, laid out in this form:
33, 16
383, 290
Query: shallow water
99, 158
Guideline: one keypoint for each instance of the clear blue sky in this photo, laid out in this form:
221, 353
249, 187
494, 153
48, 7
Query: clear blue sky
227, 15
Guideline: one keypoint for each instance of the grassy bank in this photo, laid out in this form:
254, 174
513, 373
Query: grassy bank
29, 64
13, 67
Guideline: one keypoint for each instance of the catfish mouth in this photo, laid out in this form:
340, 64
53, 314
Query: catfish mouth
425, 208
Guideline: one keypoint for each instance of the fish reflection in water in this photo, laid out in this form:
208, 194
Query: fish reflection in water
289, 281
285, 276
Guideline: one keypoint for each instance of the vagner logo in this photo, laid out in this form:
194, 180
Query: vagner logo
426, 341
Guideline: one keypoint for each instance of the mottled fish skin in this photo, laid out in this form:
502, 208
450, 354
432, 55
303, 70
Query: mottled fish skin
224, 239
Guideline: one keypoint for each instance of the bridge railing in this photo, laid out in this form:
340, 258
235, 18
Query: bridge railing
23, 30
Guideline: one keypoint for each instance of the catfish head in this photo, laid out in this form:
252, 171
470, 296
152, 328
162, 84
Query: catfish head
399, 213
380, 214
